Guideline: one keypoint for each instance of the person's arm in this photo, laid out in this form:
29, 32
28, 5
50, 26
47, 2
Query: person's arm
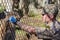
25, 27
30, 29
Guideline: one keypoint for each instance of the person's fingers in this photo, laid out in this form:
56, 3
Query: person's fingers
31, 29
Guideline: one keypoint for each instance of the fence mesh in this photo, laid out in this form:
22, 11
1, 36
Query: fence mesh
9, 31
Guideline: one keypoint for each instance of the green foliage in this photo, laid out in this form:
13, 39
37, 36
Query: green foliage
31, 14
34, 21
20, 32
1, 9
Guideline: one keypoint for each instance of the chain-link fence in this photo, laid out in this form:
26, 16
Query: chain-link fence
7, 4
9, 31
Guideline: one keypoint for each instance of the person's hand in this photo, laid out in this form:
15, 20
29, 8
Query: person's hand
30, 29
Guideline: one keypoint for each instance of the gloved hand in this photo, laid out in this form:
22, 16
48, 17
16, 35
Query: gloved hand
12, 19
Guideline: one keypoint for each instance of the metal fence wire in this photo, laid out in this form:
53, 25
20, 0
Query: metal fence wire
7, 4
9, 31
